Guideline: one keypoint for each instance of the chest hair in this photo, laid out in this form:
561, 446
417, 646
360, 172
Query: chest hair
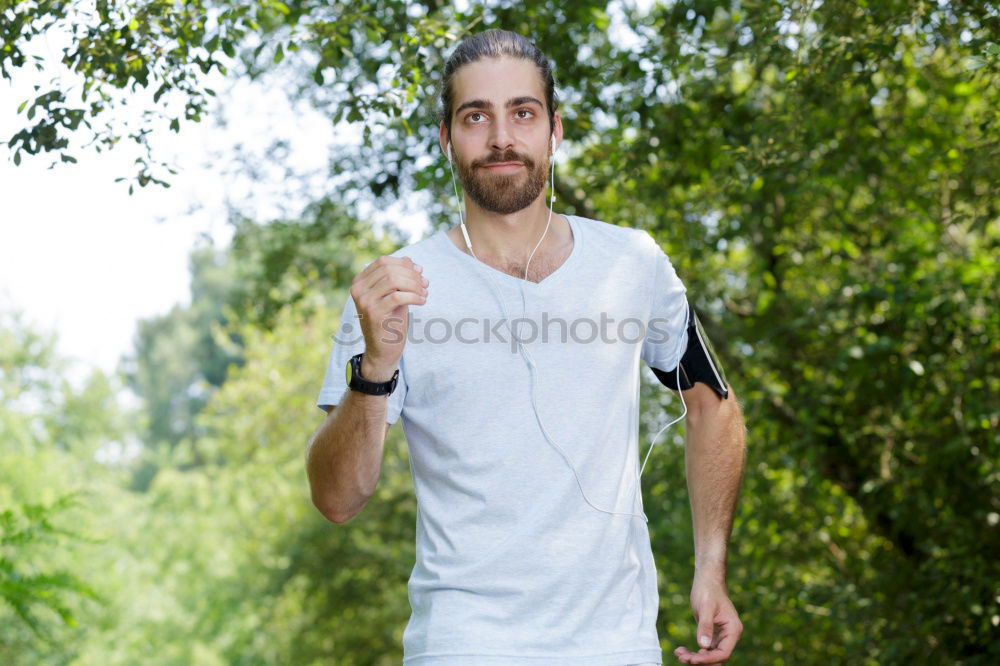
540, 267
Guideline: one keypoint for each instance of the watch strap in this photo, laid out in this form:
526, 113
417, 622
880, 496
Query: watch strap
357, 382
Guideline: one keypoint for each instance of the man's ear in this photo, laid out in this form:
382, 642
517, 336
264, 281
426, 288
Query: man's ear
443, 138
557, 130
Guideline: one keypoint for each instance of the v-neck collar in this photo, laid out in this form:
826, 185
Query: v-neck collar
565, 267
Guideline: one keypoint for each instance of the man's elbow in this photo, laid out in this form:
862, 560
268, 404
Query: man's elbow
337, 519
331, 513
335, 512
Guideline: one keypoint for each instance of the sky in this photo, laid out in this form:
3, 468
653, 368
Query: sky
81, 258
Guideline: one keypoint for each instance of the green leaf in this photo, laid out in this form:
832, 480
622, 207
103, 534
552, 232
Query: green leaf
600, 18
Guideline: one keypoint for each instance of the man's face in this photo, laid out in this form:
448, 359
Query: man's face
500, 133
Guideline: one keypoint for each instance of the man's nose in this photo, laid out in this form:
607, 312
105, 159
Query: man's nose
501, 138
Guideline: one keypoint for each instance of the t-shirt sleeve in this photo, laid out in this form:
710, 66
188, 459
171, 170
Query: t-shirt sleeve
666, 331
347, 342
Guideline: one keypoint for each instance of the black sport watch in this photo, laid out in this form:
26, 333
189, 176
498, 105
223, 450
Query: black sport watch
358, 383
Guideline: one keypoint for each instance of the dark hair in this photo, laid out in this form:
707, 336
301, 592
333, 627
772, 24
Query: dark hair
495, 43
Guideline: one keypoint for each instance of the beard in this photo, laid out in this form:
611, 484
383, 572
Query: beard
502, 193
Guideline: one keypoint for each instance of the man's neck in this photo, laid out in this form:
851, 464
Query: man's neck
511, 238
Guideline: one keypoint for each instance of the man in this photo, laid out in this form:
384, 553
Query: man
523, 447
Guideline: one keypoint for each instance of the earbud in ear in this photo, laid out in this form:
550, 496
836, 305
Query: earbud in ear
553, 142
449, 151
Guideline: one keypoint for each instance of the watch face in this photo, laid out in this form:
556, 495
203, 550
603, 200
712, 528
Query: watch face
354, 378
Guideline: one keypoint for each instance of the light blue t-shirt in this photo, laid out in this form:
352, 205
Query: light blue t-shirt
513, 566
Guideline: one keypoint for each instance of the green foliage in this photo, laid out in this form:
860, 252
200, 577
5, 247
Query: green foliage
180, 358
51, 489
28, 590
281, 262
321, 592
116, 48
167, 49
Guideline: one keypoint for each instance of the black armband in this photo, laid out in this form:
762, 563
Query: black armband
697, 364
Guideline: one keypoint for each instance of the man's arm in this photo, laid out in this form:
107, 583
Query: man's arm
715, 454
714, 458
344, 458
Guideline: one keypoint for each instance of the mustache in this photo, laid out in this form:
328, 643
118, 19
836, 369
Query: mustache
508, 156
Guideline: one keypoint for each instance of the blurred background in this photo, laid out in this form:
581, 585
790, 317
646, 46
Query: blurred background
189, 188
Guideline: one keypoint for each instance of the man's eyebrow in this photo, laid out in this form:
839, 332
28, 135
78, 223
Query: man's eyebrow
484, 104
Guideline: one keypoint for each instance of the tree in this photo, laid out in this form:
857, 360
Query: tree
50, 432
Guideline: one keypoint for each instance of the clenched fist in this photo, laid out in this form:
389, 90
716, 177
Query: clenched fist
382, 293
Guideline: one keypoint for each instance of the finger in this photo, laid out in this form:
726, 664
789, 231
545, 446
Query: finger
375, 298
389, 260
393, 281
705, 631
363, 280
368, 294
394, 299
729, 630
715, 655
705, 657
729, 635
684, 655
379, 269
396, 293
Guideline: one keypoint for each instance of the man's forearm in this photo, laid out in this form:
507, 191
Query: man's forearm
714, 459
344, 459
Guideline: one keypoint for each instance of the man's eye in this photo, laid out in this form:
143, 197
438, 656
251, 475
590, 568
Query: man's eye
526, 112
473, 115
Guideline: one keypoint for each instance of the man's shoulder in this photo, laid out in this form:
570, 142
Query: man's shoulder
618, 236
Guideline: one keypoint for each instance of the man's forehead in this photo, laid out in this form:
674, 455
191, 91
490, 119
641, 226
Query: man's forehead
498, 81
